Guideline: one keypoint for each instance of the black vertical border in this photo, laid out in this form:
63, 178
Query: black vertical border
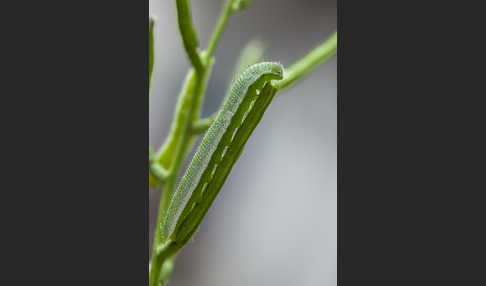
85, 213
410, 128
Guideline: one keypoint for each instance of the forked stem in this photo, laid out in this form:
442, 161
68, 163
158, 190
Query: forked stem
182, 138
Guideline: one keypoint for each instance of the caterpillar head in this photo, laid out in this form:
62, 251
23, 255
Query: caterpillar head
277, 70
274, 71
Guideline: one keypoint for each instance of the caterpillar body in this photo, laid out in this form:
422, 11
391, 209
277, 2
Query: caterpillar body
220, 148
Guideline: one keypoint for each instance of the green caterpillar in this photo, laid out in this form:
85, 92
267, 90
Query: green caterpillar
220, 148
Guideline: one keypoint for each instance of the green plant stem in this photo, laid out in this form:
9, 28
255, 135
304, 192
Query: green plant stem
188, 33
166, 271
163, 252
159, 172
180, 120
169, 187
218, 30
181, 137
169, 157
194, 81
317, 56
202, 125
178, 158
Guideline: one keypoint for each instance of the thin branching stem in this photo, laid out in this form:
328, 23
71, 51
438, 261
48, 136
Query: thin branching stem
188, 33
218, 30
317, 56
202, 125
182, 138
161, 253
159, 172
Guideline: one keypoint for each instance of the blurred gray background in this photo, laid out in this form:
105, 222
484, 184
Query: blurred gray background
275, 219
